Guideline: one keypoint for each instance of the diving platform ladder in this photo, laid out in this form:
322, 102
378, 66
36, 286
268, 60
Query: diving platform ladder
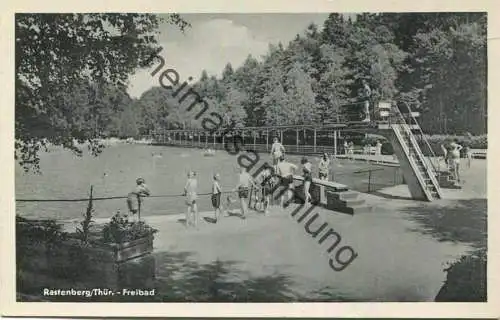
420, 172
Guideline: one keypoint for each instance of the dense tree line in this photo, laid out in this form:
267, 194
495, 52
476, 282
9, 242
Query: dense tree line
436, 62
71, 72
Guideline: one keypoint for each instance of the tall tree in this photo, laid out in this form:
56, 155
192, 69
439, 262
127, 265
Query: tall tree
55, 52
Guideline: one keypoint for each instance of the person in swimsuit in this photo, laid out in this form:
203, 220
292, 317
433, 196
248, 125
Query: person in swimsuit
190, 191
307, 174
367, 92
378, 150
216, 194
468, 155
266, 183
445, 154
243, 188
324, 167
351, 151
285, 171
134, 198
454, 159
277, 150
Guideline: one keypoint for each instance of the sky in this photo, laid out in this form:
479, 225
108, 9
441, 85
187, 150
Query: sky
213, 40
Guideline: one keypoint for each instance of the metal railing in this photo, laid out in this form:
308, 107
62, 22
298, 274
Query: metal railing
433, 156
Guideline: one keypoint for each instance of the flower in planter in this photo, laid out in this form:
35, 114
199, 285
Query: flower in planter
120, 229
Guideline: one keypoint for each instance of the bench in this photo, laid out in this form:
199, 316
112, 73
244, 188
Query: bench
329, 185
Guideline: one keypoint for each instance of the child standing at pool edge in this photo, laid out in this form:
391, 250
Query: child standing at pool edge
243, 188
216, 193
324, 167
190, 191
134, 198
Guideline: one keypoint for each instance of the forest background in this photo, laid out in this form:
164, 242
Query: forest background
72, 71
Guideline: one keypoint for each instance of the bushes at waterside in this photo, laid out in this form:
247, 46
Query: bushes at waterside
435, 141
465, 280
473, 142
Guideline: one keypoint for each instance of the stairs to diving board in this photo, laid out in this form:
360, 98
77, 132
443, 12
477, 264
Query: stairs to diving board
419, 172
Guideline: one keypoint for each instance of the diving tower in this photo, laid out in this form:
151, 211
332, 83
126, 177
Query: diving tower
399, 127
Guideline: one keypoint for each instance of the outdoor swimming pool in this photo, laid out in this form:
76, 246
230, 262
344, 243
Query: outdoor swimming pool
113, 173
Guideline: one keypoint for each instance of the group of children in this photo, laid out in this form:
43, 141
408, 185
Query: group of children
243, 188
367, 149
451, 155
260, 189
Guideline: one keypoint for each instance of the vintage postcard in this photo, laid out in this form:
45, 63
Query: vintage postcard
315, 158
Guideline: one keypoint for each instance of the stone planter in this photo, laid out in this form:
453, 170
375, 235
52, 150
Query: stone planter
71, 264
133, 249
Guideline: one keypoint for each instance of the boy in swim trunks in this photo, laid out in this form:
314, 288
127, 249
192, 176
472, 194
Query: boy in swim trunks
266, 183
243, 188
324, 167
454, 156
285, 171
468, 155
307, 174
134, 198
190, 191
216, 194
277, 150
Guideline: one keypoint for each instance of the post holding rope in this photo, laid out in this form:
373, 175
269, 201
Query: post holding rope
139, 207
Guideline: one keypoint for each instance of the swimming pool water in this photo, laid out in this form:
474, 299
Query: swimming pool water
113, 173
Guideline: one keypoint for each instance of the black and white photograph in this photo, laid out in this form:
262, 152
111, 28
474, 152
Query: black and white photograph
251, 157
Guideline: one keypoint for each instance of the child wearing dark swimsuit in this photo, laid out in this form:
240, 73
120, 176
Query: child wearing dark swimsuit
267, 187
307, 174
216, 193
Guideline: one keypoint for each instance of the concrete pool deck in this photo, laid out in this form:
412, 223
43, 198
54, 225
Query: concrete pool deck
396, 260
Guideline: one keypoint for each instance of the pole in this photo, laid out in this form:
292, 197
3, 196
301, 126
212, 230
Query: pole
395, 170
305, 140
297, 140
250, 198
267, 140
369, 180
242, 142
315, 140
254, 139
139, 207
335, 143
